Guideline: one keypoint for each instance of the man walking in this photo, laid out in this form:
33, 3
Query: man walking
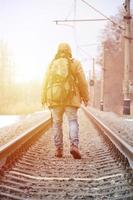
64, 89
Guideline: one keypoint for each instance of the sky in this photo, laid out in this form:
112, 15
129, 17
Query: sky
28, 29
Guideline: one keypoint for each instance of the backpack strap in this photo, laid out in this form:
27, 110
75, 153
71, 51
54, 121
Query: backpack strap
72, 75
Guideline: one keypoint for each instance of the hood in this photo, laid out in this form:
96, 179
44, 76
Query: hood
64, 46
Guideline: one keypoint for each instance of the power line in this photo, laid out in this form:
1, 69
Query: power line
71, 10
87, 45
102, 14
78, 20
75, 29
85, 52
56, 21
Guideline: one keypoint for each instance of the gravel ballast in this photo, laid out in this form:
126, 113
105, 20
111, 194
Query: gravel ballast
121, 125
10, 132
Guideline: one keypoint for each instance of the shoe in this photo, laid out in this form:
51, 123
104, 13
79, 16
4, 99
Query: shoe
75, 152
59, 153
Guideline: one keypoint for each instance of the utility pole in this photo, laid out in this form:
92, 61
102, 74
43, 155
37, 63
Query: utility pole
74, 26
127, 40
94, 82
102, 81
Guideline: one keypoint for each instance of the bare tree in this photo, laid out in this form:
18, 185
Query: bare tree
112, 38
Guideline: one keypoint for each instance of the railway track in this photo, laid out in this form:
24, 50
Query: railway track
32, 171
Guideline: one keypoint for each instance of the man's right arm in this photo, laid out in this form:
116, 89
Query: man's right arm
82, 84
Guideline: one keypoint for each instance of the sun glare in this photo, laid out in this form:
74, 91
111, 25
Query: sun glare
27, 74
27, 68
24, 76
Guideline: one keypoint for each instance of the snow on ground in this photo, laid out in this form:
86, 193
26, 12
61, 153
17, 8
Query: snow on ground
7, 133
123, 126
6, 120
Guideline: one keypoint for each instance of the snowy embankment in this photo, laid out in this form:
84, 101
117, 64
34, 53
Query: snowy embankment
123, 126
7, 133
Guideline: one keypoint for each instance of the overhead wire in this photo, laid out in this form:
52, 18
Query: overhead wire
69, 12
87, 45
96, 10
79, 20
74, 26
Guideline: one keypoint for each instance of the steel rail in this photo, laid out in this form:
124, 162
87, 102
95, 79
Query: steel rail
12, 146
120, 144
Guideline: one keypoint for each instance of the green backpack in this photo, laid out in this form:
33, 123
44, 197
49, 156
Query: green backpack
60, 82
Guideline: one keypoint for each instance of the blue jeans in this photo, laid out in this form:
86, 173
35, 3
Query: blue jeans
71, 113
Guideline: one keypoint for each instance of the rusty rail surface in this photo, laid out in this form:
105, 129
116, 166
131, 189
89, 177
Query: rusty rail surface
11, 147
120, 144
